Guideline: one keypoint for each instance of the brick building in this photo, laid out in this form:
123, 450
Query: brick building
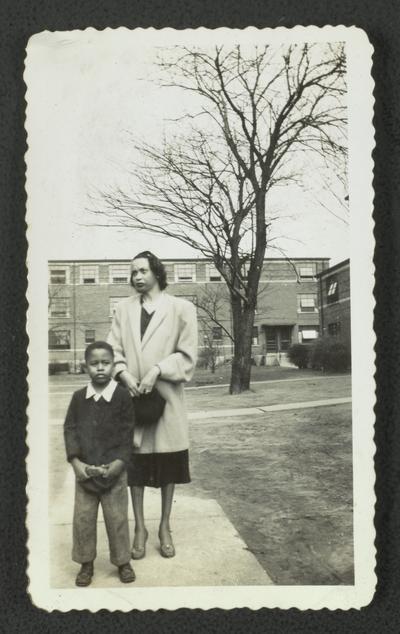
334, 301
83, 295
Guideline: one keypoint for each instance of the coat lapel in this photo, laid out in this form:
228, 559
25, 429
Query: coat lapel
134, 322
156, 320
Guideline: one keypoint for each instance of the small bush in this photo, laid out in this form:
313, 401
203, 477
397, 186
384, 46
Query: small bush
57, 366
299, 355
330, 354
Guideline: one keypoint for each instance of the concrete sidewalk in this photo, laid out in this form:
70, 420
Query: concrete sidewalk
252, 411
260, 409
209, 551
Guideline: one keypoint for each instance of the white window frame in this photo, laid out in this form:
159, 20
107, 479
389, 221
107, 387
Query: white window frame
55, 332
302, 303
185, 278
94, 336
53, 304
113, 301
112, 274
93, 267
58, 267
303, 329
255, 339
212, 271
307, 267
332, 288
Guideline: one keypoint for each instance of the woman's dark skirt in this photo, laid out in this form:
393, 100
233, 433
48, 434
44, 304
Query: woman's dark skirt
159, 469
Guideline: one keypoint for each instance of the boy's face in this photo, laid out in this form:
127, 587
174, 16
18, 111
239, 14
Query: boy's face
99, 366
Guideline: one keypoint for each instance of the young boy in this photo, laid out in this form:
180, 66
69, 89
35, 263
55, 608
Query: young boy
98, 432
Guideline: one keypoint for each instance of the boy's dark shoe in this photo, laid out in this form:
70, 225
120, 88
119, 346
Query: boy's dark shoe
126, 573
84, 576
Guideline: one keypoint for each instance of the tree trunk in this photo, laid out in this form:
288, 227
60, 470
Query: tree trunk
242, 324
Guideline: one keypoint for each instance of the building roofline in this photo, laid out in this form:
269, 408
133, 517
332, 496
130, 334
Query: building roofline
334, 268
111, 260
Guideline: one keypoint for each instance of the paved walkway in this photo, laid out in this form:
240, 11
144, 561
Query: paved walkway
209, 550
279, 407
252, 411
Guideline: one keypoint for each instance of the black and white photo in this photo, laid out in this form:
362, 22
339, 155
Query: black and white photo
201, 356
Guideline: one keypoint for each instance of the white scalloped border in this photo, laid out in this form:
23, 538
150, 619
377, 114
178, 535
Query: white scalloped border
361, 144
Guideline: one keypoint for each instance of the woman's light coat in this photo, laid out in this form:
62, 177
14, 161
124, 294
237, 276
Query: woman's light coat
170, 341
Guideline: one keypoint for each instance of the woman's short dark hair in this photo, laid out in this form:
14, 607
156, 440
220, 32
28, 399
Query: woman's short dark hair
156, 267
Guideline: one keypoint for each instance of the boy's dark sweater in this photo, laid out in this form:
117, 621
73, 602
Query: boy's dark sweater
99, 432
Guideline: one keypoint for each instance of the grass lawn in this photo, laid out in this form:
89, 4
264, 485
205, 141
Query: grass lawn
221, 377
285, 482
311, 389
284, 478
222, 374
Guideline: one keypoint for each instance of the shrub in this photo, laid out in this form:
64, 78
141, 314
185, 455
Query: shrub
299, 355
330, 354
57, 366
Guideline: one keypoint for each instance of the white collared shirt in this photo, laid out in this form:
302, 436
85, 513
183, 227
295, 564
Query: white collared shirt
151, 305
106, 393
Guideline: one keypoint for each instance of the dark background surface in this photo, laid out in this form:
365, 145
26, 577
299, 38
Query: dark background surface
19, 20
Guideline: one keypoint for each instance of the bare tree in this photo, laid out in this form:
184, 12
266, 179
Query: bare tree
214, 317
260, 111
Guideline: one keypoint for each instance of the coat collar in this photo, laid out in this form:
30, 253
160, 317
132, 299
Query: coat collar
134, 321
158, 317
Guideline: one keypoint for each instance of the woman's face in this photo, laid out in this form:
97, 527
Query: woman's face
143, 277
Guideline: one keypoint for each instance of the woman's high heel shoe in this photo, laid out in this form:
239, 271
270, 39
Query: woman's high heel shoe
167, 549
138, 552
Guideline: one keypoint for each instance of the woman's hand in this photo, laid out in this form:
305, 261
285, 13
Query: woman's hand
130, 382
148, 381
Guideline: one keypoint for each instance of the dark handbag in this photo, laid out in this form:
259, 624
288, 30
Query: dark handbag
149, 407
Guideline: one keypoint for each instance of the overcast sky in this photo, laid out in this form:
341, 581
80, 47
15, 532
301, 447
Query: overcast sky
83, 101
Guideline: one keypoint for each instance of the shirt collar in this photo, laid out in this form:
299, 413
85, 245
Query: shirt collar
151, 305
107, 393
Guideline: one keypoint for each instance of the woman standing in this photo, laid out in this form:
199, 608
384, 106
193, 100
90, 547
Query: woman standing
154, 336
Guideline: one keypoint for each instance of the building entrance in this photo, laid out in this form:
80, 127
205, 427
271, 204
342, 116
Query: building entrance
277, 338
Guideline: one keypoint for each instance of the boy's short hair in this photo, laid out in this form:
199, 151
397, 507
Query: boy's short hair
98, 345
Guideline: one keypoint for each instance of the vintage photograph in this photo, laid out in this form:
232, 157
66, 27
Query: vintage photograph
199, 211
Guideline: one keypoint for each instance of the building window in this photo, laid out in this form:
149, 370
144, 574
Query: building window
308, 333
90, 336
334, 329
217, 333
89, 274
254, 339
213, 275
113, 304
59, 339
119, 273
332, 290
307, 303
185, 272
59, 307
59, 275
307, 271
